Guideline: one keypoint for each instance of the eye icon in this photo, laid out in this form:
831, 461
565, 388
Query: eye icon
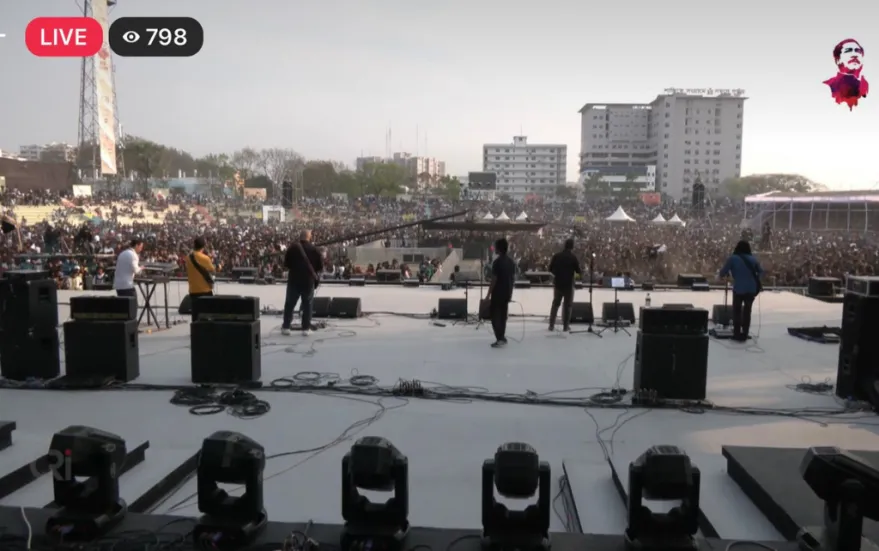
131, 37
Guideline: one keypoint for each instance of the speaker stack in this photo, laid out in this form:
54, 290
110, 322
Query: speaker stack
671, 354
101, 340
225, 340
857, 375
29, 345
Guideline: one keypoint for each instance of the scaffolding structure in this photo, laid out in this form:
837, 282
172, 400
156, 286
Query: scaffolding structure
90, 119
853, 211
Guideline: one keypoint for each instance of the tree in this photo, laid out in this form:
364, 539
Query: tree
245, 162
148, 160
630, 188
594, 184
449, 187
565, 193
754, 184
279, 164
319, 179
385, 179
425, 180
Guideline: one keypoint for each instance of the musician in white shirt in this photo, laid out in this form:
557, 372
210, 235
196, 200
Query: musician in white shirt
127, 267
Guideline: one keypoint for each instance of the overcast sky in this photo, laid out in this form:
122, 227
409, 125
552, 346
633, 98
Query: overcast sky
328, 77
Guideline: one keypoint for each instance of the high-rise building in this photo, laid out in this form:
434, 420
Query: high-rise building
685, 133
526, 169
363, 162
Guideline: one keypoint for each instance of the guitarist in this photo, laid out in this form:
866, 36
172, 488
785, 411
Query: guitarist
199, 272
304, 264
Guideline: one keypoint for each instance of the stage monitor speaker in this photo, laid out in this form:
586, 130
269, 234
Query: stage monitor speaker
485, 309
687, 280
624, 311
345, 307
647, 286
103, 308
537, 278
388, 275
287, 194
522, 284
411, 282
857, 372
675, 367
185, 308
29, 305
27, 275
226, 308
226, 352
700, 286
102, 349
31, 355
357, 282
451, 309
677, 306
824, 286
320, 307
581, 312
865, 286
673, 321
722, 314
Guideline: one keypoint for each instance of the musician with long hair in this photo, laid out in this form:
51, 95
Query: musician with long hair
746, 272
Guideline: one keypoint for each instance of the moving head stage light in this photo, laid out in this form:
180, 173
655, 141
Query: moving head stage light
848, 486
663, 473
229, 522
374, 464
89, 508
517, 473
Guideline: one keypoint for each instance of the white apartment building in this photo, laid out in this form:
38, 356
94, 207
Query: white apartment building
684, 133
525, 169
55, 152
30, 152
362, 162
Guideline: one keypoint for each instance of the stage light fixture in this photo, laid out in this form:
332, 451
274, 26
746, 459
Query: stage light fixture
517, 473
85, 464
374, 464
229, 522
848, 485
663, 473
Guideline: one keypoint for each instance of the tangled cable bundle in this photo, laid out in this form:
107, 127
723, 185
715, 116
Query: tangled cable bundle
209, 401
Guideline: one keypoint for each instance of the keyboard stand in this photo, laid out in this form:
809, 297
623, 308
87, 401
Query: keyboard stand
147, 291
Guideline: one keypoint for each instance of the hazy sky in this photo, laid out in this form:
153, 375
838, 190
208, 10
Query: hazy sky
328, 77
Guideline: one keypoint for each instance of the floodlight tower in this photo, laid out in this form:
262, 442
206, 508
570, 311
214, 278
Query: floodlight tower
99, 139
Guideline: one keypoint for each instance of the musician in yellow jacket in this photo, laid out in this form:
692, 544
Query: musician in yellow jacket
200, 272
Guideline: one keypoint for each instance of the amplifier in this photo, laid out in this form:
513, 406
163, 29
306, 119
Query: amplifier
865, 286
451, 309
823, 286
28, 304
31, 355
226, 308
27, 275
320, 307
102, 349
581, 312
103, 308
345, 307
674, 321
673, 366
225, 352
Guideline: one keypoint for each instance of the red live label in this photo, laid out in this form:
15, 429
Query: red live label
64, 37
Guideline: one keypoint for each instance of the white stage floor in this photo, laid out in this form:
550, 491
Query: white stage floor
447, 441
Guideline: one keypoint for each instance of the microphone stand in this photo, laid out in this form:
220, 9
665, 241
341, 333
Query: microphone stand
592, 319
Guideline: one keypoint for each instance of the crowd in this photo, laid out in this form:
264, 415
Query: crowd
236, 237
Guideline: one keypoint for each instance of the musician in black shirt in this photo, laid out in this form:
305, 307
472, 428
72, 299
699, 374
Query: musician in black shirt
304, 264
563, 266
500, 291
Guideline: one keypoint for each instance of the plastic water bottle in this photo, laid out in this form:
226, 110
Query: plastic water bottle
647, 301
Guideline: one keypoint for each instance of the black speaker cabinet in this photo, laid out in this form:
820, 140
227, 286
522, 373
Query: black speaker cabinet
320, 307
226, 308
28, 304
388, 275
673, 321
102, 349
103, 308
674, 366
357, 281
823, 286
624, 311
857, 368
30, 355
722, 314
452, 309
345, 307
581, 312
226, 352
484, 309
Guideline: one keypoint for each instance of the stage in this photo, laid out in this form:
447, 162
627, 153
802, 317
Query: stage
446, 441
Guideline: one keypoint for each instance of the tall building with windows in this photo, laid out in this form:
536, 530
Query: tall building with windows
526, 169
55, 152
685, 133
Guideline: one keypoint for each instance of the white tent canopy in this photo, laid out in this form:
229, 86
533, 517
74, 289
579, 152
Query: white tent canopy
488, 216
522, 216
677, 221
659, 219
502, 216
619, 215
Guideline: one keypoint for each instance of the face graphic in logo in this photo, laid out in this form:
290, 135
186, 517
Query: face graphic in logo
848, 86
